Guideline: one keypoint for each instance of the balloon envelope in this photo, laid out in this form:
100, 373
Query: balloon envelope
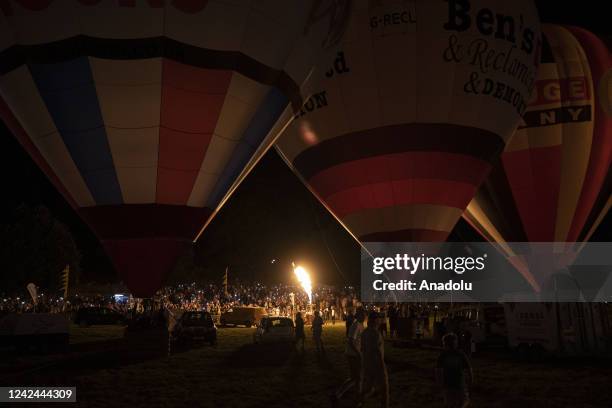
410, 110
553, 181
145, 114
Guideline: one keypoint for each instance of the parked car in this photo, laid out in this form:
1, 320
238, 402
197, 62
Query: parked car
195, 326
87, 316
243, 316
274, 329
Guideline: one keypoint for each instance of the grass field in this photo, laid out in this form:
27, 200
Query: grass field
82, 335
237, 373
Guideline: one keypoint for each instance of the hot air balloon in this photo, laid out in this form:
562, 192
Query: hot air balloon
553, 181
146, 115
408, 113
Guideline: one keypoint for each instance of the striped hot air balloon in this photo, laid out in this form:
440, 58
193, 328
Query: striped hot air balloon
144, 114
408, 113
553, 182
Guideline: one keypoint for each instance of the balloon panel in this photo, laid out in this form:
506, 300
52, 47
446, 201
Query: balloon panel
19, 91
597, 185
142, 142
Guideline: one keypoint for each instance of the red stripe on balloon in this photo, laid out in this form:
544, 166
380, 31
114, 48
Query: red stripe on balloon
534, 176
401, 192
137, 221
406, 235
174, 186
22, 137
601, 149
191, 103
400, 166
392, 139
144, 240
144, 263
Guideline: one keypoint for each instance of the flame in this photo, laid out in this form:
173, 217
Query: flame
304, 278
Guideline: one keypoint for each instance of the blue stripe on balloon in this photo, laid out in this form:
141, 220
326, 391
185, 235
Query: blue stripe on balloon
69, 92
265, 117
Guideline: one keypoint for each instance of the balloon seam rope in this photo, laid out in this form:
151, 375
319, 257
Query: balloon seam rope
259, 153
299, 176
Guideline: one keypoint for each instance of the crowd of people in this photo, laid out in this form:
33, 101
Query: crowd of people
364, 342
46, 303
280, 300
368, 376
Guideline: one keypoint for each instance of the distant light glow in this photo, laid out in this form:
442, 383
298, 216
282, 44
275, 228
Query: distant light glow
308, 134
304, 278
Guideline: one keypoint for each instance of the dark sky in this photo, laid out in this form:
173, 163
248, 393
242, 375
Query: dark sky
271, 215
589, 14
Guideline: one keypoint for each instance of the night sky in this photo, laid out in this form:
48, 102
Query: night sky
271, 216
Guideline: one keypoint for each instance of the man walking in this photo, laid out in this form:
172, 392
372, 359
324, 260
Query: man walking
299, 330
382, 323
317, 332
454, 373
393, 315
353, 355
349, 320
374, 371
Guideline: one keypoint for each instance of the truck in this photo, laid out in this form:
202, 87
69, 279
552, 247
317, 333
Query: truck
536, 329
243, 316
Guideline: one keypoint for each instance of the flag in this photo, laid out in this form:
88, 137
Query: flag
64, 279
225, 281
33, 292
